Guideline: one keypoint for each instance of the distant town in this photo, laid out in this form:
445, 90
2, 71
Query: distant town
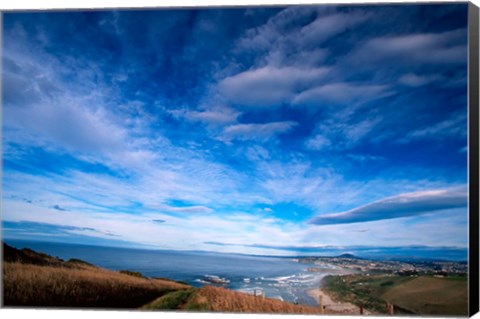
347, 262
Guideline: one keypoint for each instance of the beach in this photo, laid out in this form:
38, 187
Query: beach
330, 304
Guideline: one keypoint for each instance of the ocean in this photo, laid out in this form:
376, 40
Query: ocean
281, 278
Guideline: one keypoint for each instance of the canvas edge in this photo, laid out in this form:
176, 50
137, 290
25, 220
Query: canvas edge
473, 147
1, 157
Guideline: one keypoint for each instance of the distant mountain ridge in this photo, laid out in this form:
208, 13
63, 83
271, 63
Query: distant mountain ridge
350, 256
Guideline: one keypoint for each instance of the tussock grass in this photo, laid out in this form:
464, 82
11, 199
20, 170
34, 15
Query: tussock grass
85, 286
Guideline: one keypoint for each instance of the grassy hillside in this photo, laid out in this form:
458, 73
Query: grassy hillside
38, 280
424, 295
85, 286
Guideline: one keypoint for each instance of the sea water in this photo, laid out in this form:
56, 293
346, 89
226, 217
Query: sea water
281, 278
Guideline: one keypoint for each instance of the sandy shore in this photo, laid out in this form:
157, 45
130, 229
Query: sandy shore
328, 303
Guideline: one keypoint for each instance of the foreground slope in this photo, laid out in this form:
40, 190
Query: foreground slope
35, 279
211, 298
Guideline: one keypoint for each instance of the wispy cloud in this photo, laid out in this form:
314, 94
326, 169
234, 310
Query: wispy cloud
341, 93
453, 127
327, 26
47, 228
414, 80
186, 209
268, 86
256, 132
337, 135
430, 48
214, 116
404, 205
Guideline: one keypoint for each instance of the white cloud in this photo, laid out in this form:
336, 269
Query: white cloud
327, 26
339, 134
198, 209
268, 86
214, 116
414, 80
317, 142
341, 93
452, 127
71, 116
303, 59
312, 28
257, 153
256, 132
428, 48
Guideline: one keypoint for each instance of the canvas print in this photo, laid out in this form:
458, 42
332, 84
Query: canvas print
303, 159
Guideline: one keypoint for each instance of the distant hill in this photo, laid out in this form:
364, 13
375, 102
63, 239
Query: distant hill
28, 256
350, 256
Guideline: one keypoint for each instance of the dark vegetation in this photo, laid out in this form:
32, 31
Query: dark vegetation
79, 262
132, 273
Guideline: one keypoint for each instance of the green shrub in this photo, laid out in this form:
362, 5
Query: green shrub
172, 300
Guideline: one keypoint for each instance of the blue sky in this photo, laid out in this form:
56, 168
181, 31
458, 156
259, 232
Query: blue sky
275, 130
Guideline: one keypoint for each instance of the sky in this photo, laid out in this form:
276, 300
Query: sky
280, 130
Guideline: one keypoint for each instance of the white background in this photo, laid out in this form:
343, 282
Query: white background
58, 4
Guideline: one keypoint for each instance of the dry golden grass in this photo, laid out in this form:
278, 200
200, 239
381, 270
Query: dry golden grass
223, 300
83, 286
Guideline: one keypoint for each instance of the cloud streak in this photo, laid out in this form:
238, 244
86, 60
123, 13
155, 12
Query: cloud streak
256, 132
268, 86
47, 228
404, 205
430, 48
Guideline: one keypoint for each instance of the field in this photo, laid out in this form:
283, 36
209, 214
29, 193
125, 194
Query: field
425, 295
430, 295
